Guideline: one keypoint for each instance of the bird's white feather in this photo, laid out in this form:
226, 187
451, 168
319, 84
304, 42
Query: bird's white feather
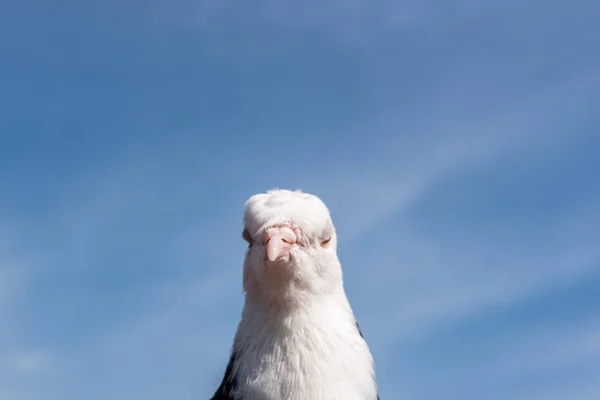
298, 338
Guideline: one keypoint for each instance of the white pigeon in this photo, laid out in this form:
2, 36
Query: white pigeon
298, 338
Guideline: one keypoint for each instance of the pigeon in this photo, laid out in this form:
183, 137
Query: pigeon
298, 338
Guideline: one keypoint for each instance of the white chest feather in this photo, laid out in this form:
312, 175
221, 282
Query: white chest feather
311, 354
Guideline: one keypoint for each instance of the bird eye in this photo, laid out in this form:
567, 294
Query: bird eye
247, 237
325, 243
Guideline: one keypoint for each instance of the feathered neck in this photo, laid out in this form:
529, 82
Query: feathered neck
293, 300
267, 315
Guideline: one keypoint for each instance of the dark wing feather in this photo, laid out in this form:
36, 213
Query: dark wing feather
227, 388
358, 327
361, 335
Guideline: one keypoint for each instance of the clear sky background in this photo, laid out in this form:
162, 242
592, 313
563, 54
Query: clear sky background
455, 142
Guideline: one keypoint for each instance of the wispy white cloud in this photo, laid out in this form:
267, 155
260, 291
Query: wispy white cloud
29, 362
14, 278
513, 367
407, 168
14, 288
586, 387
554, 347
431, 284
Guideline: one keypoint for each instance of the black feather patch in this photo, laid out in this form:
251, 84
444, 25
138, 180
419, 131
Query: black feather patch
227, 388
358, 327
361, 335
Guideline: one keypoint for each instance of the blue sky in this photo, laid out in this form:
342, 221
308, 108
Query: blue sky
456, 144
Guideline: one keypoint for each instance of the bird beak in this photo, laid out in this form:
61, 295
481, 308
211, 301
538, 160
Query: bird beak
277, 240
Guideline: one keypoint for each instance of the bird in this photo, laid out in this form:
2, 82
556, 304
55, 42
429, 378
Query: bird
298, 338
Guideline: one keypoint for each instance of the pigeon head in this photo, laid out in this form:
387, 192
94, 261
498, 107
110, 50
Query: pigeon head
291, 246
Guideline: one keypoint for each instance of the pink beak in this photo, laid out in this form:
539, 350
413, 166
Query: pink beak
278, 239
